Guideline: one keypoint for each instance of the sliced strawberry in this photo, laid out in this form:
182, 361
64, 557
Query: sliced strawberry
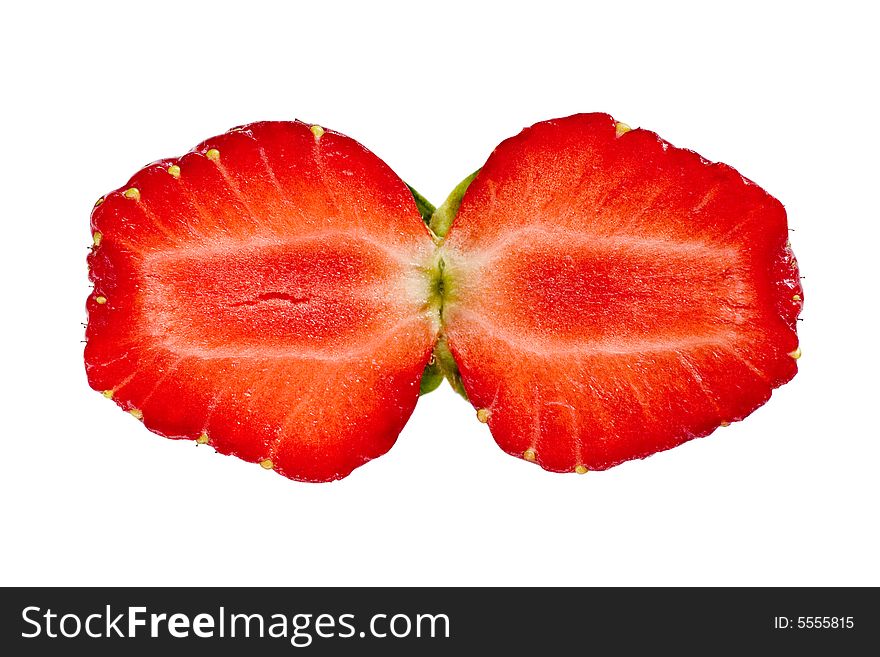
609, 295
268, 293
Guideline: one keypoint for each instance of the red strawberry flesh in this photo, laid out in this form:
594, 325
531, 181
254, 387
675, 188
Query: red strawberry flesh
611, 296
605, 296
268, 293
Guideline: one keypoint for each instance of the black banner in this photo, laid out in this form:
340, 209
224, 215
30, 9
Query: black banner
419, 621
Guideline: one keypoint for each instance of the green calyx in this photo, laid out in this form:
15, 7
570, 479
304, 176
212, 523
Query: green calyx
424, 206
441, 364
441, 218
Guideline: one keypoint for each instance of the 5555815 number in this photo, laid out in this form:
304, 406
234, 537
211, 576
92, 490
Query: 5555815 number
814, 622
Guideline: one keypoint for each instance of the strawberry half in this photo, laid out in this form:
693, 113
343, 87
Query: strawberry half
270, 294
608, 295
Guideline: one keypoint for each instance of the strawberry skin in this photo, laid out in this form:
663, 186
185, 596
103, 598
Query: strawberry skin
610, 296
267, 293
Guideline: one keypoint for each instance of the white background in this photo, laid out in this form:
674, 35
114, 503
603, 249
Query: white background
783, 92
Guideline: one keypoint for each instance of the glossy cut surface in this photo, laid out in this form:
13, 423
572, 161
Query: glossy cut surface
614, 296
599, 295
265, 294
